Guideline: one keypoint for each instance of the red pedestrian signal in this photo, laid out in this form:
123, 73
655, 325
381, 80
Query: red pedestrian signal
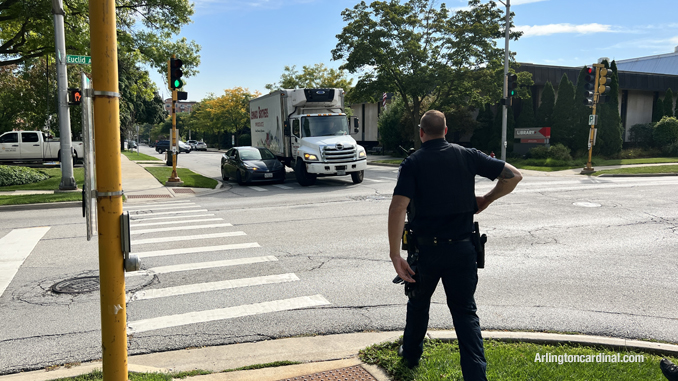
74, 96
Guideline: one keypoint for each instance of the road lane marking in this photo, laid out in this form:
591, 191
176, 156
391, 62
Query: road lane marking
259, 189
186, 238
375, 180
203, 265
175, 222
211, 286
16, 246
387, 178
225, 313
175, 228
192, 250
168, 217
282, 186
162, 213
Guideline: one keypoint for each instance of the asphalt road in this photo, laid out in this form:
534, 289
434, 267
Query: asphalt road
575, 254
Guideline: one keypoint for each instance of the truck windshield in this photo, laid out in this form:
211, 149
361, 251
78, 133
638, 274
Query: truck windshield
324, 126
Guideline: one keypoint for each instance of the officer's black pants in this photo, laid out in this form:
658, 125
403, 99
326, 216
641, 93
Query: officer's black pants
455, 264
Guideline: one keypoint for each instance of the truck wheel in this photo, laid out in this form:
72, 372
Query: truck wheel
303, 178
357, 177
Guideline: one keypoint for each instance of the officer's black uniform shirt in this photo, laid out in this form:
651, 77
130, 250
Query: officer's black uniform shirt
439, 179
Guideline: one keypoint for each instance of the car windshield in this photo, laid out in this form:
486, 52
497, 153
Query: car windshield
255, 154
324, 126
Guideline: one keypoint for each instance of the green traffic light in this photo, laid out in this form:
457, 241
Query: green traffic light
178, 83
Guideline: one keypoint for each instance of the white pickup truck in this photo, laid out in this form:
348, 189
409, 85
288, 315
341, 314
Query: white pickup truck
33, 146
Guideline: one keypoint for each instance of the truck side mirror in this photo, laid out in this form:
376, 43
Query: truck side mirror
286, 126
356, 125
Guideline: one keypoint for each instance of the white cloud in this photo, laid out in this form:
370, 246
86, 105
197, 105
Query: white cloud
521, 2
546, 30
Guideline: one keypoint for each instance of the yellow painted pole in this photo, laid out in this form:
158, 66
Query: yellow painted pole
596, 98
109, 183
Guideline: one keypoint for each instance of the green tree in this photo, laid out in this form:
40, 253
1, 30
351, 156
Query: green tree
494, 145
393, 127
417, 50
545, 109
609, 140
666, 131
317, 76
483, 132
564, 119
143, 26
658, 111
582, 129
526, 119
668, 103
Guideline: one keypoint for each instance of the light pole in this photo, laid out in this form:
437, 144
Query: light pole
504, 116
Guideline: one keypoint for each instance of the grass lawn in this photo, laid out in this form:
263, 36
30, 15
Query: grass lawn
135, 156
40, 198
190, 178
513, 361
637, 170
50, 184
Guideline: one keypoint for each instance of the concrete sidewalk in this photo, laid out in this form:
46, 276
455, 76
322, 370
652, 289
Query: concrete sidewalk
316, 354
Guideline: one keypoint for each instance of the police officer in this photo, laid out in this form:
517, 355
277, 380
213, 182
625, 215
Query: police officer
439, 180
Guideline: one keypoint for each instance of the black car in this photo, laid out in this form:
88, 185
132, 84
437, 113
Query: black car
164, 145
251, 164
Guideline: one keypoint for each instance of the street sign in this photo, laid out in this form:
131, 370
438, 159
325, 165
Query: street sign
532, 133
593, 120
83, 60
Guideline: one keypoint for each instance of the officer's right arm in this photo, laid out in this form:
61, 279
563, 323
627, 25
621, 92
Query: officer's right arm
506, 182
396, 223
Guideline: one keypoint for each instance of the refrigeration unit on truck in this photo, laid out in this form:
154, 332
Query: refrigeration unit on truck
34, 146
309, 131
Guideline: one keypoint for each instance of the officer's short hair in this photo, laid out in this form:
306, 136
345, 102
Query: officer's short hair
433, 123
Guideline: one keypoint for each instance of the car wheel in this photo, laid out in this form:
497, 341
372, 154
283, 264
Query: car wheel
303, 178
357, 177
238, 178
223, 175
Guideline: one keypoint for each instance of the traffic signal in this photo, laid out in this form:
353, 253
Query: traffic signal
175, 73
74, 96
589, 86
604, 81
512, 85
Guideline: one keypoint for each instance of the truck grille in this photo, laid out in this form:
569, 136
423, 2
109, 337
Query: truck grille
339, 153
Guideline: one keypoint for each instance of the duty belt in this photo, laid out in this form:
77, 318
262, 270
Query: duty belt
435, 241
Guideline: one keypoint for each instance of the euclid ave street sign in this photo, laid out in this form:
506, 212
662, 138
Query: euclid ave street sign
83, 60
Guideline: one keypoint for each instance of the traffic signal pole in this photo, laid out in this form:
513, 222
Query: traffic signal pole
596, 98
174, 179
504, 110
109, 188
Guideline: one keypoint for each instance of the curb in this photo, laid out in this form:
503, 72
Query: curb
637, 174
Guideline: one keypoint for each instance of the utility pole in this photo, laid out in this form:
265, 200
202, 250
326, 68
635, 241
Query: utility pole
104, 52
504, 115
66, 159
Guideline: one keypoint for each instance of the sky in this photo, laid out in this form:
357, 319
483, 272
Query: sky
247, 43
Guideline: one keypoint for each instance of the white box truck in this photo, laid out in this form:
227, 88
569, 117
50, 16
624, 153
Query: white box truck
309, 131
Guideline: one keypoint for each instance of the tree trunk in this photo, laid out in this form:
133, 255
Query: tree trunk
416, 104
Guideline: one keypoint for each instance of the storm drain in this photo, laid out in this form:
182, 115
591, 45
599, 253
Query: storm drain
149, 196
352, 373
80, 285
183, 191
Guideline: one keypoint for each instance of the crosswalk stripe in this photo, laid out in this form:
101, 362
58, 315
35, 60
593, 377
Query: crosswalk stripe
166, 207
259, 189
166, 203
132, 219
204, 265
162, 213
211, 286
282, 186
225, 313
186, 238
375, 180
192, 250
176, 222
175, 228
16, 246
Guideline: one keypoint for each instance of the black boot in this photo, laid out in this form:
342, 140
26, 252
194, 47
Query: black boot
669, 369
410, 364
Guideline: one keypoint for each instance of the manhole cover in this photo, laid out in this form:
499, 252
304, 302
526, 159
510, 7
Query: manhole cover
353, 373
77, 285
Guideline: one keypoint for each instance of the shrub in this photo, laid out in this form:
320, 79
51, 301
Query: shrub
539, 152
670, 150
666, 131
245, 140
559, 152
19, 175
641, 135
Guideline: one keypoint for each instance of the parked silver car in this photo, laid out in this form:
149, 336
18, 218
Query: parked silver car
200, 146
